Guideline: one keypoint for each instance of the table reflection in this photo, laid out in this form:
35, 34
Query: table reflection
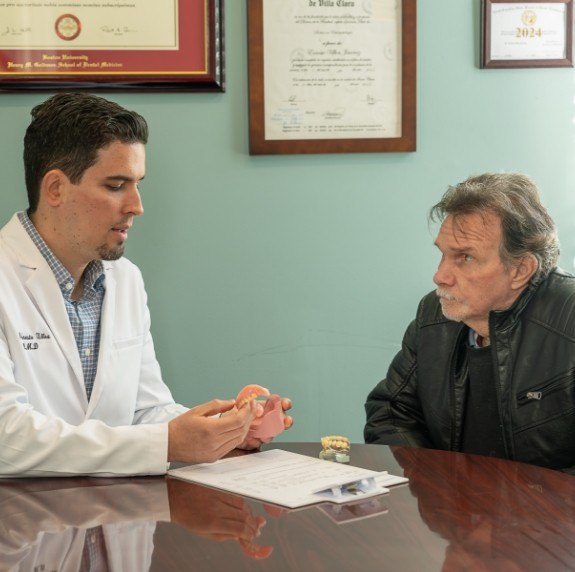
524, 521
44, 523
217, 515
109, 524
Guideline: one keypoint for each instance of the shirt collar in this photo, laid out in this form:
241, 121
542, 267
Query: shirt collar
93, 275
472, 339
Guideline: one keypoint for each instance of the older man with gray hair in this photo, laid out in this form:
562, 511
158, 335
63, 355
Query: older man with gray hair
488, 364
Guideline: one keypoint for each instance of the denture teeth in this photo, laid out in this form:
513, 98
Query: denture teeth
335, 442
247, 399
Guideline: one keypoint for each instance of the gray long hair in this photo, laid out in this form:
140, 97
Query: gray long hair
526, 225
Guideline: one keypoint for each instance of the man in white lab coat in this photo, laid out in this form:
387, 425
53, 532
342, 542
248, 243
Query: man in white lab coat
80, 388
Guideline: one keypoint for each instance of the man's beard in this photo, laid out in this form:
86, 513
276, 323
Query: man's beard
456, 317
110, 253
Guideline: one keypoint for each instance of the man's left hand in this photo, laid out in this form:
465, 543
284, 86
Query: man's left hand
253, 442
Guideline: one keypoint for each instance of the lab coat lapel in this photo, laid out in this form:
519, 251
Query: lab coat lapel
106, 336
45, 293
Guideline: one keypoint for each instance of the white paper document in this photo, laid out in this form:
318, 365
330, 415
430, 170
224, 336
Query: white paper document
332, 69
289, 479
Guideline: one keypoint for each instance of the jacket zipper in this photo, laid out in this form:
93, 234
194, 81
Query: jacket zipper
550, 388
454, 356
507, 445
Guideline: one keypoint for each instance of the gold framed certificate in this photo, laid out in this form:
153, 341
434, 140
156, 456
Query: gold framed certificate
116, 44
332, 76
527, 33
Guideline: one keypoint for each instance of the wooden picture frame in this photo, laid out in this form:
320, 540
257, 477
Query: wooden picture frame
526, 33
329, 76
137, 45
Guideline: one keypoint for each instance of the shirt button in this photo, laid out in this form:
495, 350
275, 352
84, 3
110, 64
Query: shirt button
87, 352
68, 286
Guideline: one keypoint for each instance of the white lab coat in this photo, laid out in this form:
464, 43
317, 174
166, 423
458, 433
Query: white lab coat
47, 426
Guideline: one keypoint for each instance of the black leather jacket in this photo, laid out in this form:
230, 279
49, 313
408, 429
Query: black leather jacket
422, 400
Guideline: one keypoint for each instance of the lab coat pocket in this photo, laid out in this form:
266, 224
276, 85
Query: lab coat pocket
126, 343
126, 361
120, 378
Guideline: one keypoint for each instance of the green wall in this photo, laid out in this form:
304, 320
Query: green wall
301, 273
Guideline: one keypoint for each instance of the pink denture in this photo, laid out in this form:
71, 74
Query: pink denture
271, 423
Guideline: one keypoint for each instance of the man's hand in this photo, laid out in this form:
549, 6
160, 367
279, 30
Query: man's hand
198, 437
253, 442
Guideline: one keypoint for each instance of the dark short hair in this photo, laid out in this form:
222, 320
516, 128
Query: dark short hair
67, 132
526, 225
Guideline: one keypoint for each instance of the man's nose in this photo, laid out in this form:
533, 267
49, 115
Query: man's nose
134, 204
443, 275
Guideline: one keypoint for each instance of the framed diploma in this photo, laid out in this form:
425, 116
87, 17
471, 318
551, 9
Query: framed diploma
530, 33
332, 76
112, 44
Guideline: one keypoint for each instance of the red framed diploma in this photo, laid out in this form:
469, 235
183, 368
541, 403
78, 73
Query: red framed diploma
113, 45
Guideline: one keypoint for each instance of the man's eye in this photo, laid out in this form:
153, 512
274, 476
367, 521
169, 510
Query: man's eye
115, 187
467, 257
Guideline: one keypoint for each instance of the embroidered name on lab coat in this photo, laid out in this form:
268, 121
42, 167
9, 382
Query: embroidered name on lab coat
28, 340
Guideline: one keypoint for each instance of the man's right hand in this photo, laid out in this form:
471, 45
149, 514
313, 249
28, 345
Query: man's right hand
198, 437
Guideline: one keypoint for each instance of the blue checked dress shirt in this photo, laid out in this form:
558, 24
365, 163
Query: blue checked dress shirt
84, 314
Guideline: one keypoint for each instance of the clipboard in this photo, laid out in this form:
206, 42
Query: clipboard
289, 479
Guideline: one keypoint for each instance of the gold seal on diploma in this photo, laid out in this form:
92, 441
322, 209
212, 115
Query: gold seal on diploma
68, 27
529, 17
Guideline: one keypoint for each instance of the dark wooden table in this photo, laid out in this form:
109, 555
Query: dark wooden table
459, 512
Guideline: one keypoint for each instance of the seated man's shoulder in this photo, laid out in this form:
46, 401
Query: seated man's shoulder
558, 287
553, 303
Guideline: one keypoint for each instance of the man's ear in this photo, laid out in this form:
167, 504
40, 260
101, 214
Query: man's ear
52, 187
524, 270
